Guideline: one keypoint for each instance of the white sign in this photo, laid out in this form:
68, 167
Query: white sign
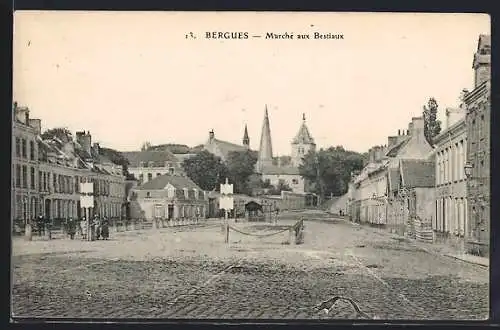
226, 189
87, 188
226, 202
86, 201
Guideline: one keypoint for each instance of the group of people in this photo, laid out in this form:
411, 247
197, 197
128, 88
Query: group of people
98, 227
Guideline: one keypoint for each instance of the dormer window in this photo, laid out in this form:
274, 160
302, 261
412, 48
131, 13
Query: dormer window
186, 193
196, 193
171, 192
171, 171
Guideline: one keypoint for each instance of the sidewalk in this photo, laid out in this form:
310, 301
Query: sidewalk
431, 248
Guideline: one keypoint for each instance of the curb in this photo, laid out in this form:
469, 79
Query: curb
465, 260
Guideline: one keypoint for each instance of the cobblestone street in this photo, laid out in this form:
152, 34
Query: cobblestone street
190, 273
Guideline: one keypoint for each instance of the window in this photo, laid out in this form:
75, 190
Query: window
158, 174
18, 147
23, 148
77, 181
171, 192
295, 181
148, 194
25, 176
151, 164
171, 171
54, 182
32, 178
18, 176
196, 193
186, 193
141, 164
141, 178
150, 176
40, 180
32, 150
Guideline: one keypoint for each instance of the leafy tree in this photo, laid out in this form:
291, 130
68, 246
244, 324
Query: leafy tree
145, 146
432, 126
279, 188
61, 133
329, 171
206, 170
117, 158
241, 165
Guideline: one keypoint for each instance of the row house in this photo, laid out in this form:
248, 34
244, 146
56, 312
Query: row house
168, 197
24, 155
478, 121
374, 194
450, 153
146, 165
46, 174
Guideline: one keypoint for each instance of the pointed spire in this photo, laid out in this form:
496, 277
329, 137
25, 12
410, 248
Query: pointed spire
246, 138
303, 116
266, 147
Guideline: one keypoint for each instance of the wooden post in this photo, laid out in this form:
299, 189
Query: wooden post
227, 233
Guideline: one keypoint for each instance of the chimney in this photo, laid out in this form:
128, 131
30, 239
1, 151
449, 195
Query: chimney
416, 128
37, 125
391, 140
22, 115
211, 135
95, 148
399, 132
85, 140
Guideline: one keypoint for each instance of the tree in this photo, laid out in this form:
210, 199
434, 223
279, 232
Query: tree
241, 165
172, 147
329, 171
432, 126
282, 186
206, 170
145, 146
117, 157
59, 133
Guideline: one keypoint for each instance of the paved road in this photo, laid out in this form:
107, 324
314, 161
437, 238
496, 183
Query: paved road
191, 273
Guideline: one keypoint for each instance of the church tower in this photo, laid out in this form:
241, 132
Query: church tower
302, 143
266, 148
246, 139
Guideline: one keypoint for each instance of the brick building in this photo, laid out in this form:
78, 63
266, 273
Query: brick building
478, 105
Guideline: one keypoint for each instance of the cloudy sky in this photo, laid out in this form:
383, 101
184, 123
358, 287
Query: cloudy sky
134, 77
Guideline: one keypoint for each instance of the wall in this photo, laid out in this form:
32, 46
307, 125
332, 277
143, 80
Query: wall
296, 182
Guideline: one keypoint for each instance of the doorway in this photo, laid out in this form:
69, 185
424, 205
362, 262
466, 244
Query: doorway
48, 205
170, 211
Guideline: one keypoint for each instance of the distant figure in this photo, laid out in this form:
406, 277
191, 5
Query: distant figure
97, 227
71, 227
105, 228
340, 212
83, 227
40, 224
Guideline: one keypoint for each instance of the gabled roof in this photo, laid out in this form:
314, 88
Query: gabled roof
393, 151
157, 157
417, 173
160, 182
303, 136
277, 170
226, 147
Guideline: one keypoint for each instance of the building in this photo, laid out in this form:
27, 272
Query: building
278, 174
478, 105
374, 193
222, 148
450, 220
146, 165
47, 173
168, 197
25, 198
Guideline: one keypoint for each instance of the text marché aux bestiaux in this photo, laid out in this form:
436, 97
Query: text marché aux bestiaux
273, 35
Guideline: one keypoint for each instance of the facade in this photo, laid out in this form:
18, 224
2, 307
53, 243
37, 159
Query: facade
375, 189
46, 174
478, 105
25, 198
168, 197
148, 164
450, 220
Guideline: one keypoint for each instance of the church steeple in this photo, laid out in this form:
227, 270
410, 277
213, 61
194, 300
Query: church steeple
302, 143
246, 139
266, 147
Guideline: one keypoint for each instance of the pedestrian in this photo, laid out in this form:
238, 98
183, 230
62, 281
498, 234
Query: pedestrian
83, 226
40, 225
105, 228
71, 228
97, 227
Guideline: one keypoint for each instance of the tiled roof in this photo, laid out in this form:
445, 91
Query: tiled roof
226, 147
160, 182
157, 157
276, 170
303, 136
418, 173
393, 152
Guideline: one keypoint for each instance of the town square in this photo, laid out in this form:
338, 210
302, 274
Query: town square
349, 193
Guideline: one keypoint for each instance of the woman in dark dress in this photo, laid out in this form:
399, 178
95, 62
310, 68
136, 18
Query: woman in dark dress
105, 228
71, 228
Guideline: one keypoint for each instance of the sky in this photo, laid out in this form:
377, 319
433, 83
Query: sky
131, 77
